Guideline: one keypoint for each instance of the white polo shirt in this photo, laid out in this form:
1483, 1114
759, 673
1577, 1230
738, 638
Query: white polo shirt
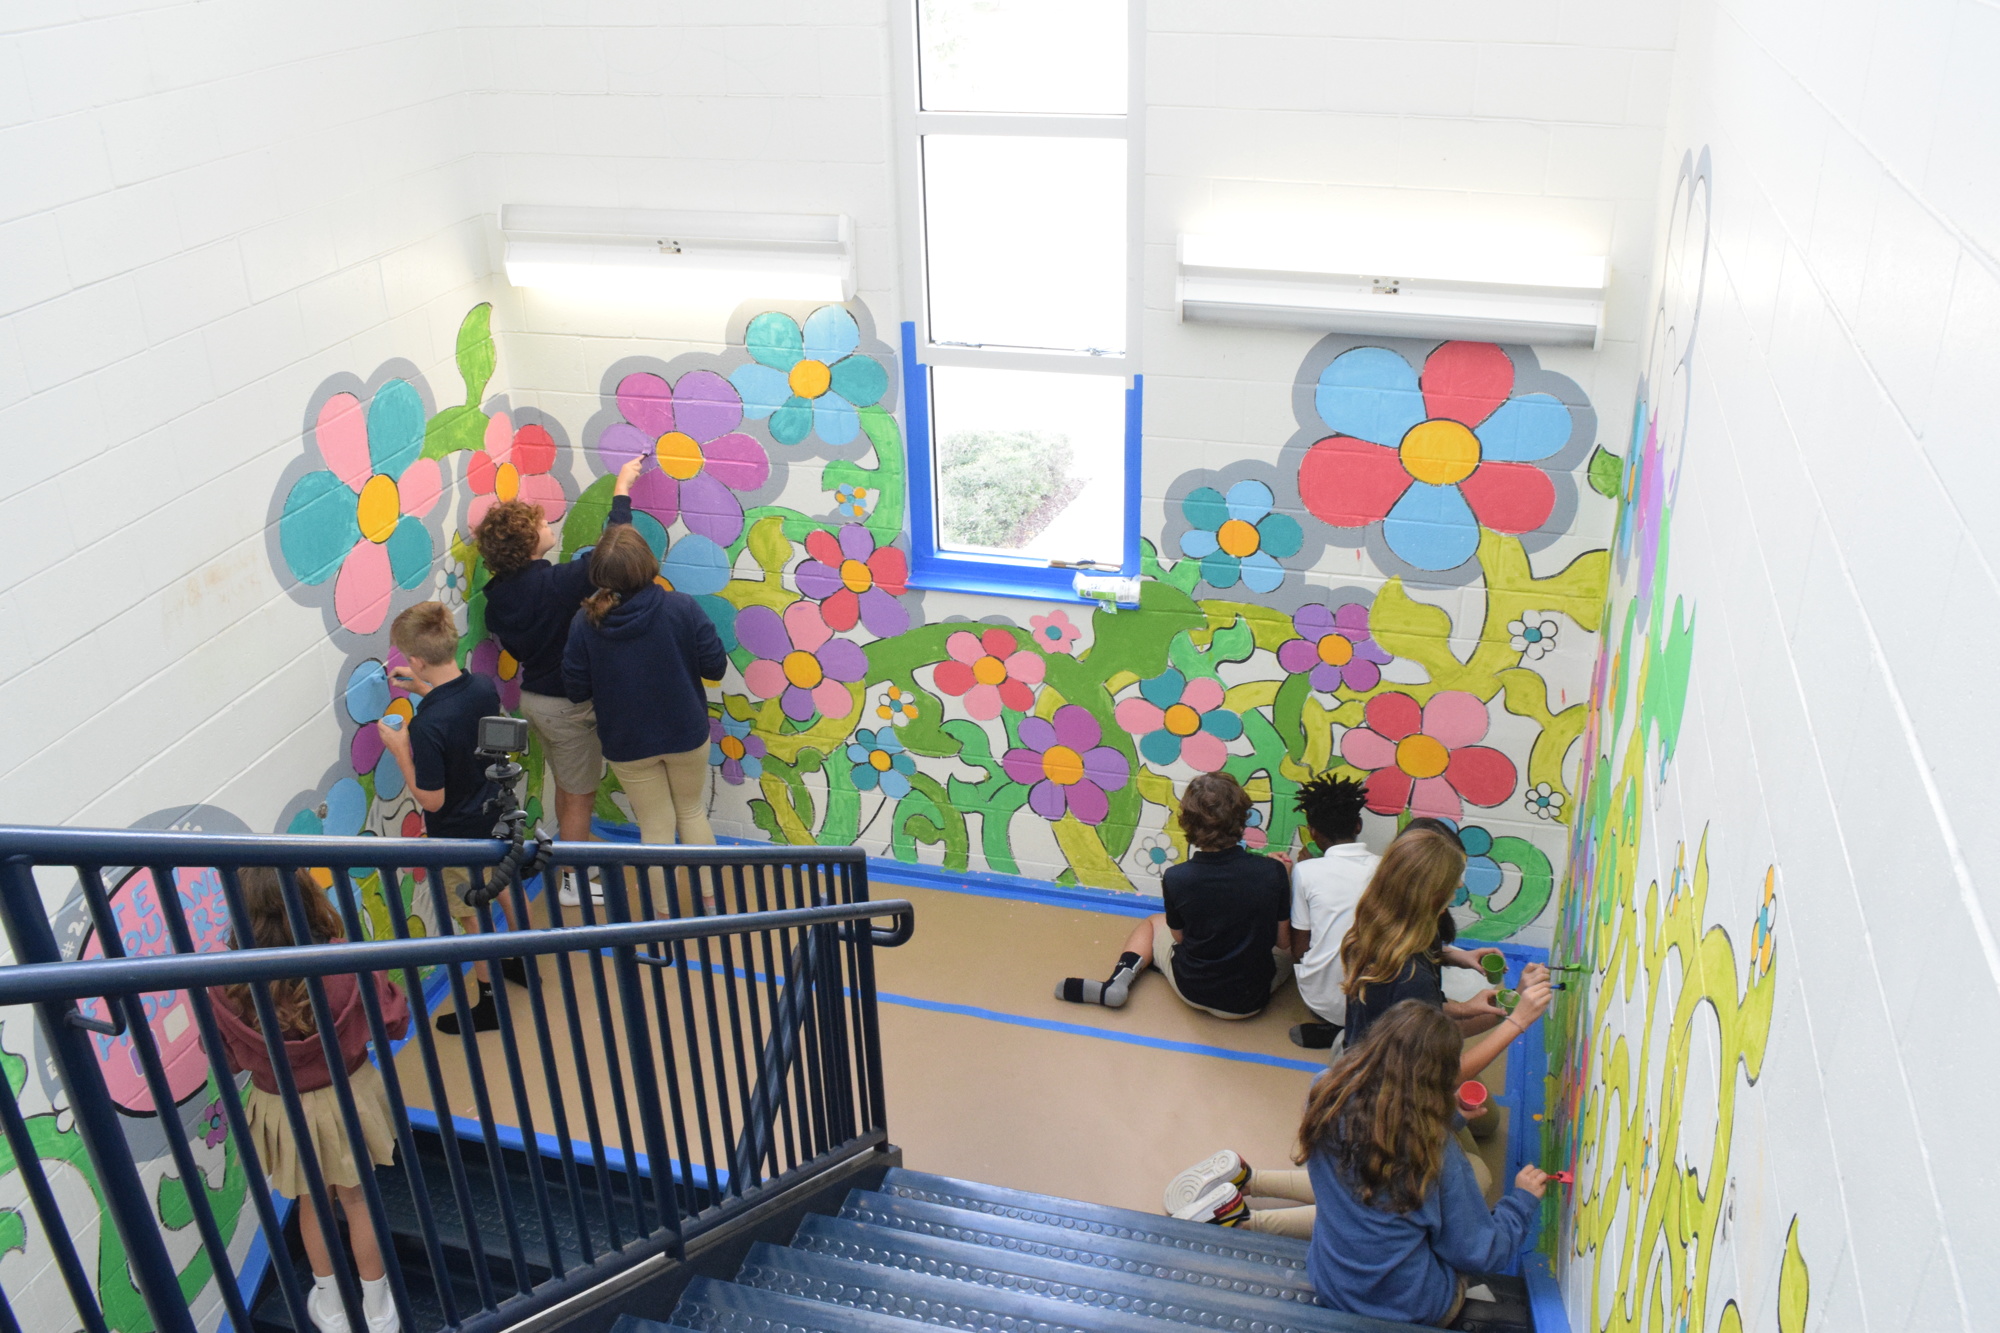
1324, 892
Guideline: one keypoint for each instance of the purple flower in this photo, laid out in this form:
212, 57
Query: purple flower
799, 659
696, 459
1334, 646
1064, 767
855, 581
735, 749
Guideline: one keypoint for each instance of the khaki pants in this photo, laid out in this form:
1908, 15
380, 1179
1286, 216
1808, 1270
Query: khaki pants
1297, 1186
669, 796
1163, 958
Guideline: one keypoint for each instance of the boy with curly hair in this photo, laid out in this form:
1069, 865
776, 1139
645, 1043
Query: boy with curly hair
1224, 941
530, 603
1324, 892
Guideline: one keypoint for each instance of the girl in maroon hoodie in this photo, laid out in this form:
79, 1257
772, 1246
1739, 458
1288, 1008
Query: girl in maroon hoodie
236, 1014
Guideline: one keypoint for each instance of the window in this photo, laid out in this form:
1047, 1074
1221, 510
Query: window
1020, 193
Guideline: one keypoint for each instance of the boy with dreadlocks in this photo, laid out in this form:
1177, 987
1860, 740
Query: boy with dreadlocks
1324, 892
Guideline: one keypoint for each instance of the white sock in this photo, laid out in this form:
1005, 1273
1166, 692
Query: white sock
374, 1296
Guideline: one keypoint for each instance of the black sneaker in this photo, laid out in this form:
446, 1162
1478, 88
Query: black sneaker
485, 1016
1315, 1036
515, 970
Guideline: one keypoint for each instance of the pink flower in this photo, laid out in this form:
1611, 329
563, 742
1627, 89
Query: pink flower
990, 671
1425, 758
514, 465
1054, 632
799, 660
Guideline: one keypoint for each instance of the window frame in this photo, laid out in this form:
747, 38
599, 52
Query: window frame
1001, 575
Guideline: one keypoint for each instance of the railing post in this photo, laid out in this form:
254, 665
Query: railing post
90, 1103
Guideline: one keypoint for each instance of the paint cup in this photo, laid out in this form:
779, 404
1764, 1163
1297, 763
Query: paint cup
1507, 999
393, 721
1495, 967
1475, 1103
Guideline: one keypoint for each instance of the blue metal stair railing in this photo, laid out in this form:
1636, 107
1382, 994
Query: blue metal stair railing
812, 1097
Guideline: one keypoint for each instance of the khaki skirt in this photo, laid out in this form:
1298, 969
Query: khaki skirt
279, 1154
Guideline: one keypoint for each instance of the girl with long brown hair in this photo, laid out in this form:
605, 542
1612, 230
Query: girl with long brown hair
1396, 951
265, 894
1401, 1218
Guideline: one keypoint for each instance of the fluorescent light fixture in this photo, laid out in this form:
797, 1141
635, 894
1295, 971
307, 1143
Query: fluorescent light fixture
1550, 300
670, 257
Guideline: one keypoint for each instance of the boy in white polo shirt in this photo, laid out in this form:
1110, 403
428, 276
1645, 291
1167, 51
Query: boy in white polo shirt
1324, 892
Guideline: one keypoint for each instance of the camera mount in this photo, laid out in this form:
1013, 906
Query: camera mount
500, 738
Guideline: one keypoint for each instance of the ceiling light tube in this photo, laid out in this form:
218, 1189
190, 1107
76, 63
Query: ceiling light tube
1545, 300
672, 257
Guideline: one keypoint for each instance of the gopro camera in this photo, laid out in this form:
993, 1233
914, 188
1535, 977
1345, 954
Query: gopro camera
502, 735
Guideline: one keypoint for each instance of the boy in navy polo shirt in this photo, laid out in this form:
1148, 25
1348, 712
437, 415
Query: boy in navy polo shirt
438, 754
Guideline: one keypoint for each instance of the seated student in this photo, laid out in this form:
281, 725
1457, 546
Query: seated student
529, 605
1223, 941
1324, 892
1395, 951
442, 769
1401, 1220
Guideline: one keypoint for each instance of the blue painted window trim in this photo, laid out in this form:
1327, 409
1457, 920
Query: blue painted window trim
997, 576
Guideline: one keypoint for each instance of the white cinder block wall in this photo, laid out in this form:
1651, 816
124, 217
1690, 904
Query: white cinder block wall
209, 209
1834, 538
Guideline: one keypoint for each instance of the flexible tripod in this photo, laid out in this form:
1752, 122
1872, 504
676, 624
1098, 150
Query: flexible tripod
521, 862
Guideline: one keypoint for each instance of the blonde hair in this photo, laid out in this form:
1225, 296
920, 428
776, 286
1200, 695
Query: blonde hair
1397, 917
426, 632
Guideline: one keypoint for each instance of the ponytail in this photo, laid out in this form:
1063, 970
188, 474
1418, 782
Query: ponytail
598, 605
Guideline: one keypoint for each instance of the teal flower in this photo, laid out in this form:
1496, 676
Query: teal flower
1237, 536
808, 381
881, 761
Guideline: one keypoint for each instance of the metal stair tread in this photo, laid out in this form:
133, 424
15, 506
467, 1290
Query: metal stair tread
1094, 1217
712, 1305
905, 1214
1208, 1304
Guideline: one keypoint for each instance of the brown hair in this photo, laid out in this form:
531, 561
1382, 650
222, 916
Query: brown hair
1397, 917
271, 928
1214, 811
622, 565
426, 633
508, 535
1383, 1111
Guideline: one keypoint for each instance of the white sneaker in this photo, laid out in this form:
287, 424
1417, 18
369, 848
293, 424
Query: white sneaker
323, 1305
1191, 1189
568, 896
378, 1307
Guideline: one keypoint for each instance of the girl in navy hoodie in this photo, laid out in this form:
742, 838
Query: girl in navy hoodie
642, 655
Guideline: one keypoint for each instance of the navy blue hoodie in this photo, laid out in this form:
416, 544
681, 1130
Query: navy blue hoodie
644, 668
529, 610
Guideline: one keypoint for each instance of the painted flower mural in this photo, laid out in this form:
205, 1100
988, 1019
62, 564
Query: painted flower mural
896, 706
695, 458
1533, 635
1333, 647
853, 502
1054, 632
990, 671
358, 521
514, 465
1180, 719
1543, 801
1065, 768
855, 581
1238, 536
1435, 456
881, 763
490, 659
799, 662
1425, 758
1154, 854
811, 380
735, 749
369, 696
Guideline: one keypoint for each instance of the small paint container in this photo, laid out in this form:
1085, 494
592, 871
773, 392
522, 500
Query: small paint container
1495, 967
1507, 999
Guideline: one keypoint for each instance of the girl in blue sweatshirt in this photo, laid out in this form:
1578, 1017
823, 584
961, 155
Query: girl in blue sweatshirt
642, 655
1401, 1220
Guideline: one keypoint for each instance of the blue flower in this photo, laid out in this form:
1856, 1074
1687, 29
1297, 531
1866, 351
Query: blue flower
733, 749
881, 761
853, 503
1236, 536
1483, 875
808, 381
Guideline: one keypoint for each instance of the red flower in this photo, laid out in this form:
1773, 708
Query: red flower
1424, 759
990, 671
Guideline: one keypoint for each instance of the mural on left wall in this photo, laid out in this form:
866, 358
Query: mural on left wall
1408, 596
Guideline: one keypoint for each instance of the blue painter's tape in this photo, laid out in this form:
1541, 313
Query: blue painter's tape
1545, 1307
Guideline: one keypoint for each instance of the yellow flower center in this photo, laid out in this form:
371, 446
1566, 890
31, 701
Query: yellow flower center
989, 671
1237, 538
506, 481
1183, 720
509, 666
732, 747
810, 379
802, 669
1422, 756
1063, 765
379, 508
400, 708
1335, 650
679, 455
880, 760
1440, 452
856, 576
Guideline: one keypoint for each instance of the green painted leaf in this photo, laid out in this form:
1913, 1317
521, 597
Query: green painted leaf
769, 546
1607, 471
476, 356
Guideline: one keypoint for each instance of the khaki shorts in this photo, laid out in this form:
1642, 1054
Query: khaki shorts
1163, 958
569, 739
